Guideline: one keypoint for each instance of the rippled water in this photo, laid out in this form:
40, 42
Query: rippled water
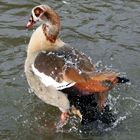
108, 31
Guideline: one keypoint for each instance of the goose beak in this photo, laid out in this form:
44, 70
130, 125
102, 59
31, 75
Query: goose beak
30, 23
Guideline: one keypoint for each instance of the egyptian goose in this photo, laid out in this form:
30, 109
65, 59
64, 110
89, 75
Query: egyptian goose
52, 66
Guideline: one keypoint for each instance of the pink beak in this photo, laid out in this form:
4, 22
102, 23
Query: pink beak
30, 23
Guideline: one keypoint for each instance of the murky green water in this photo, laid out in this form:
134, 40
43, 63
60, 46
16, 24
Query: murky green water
108, 31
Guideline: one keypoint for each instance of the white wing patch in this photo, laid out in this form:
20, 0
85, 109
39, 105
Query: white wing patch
49, 81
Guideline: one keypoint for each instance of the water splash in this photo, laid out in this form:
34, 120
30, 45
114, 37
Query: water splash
115, 124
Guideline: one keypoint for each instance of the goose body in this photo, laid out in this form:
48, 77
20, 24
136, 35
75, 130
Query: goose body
52, 66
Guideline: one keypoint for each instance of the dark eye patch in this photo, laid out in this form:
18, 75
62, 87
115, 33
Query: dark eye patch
38, 11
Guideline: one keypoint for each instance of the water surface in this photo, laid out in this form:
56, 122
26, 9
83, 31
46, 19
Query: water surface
108, 31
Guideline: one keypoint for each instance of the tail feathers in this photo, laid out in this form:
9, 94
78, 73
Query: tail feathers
101, 82
122, 80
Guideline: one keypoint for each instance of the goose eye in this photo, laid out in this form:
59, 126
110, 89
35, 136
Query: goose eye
38, 11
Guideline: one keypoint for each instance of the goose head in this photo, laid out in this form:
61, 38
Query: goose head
49, 19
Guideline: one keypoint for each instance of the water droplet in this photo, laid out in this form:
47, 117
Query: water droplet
14, 78
65, 2
111, 58
30, 90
